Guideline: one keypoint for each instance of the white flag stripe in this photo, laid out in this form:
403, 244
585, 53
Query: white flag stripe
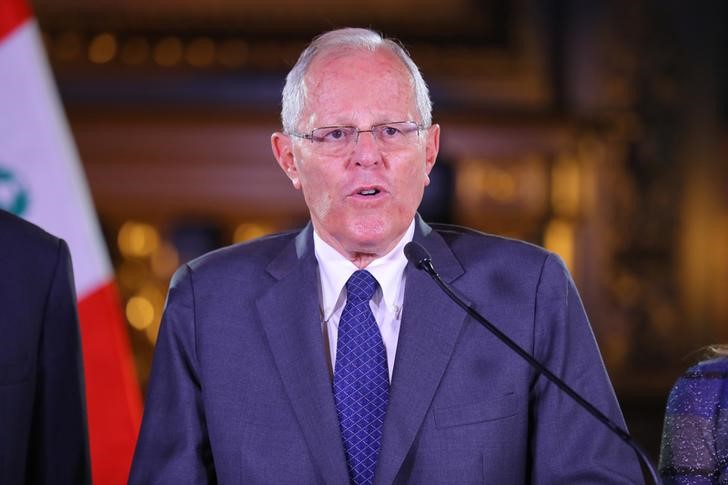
36, 147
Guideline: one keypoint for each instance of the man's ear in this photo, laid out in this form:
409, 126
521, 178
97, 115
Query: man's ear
431, 149
283, 151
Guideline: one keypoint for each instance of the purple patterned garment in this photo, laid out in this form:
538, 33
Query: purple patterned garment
695, 435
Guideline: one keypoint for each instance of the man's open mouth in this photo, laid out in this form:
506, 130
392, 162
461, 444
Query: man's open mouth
368, 192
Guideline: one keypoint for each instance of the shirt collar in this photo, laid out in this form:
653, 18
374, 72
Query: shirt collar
335, 270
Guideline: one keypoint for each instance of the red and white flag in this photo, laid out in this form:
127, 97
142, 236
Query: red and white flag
41, 179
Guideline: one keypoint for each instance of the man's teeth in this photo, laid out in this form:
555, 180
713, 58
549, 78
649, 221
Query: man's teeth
369, 192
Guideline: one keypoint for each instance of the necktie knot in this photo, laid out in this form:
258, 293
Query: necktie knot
361, 286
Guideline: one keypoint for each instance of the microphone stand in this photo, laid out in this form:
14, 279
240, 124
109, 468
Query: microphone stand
419, 256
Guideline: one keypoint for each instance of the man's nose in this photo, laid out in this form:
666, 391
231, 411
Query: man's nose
366, 151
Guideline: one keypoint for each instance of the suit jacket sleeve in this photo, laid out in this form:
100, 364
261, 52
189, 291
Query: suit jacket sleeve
58, 446
173, 445
565, 344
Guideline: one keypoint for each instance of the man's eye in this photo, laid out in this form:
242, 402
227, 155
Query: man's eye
390, 131
336, 134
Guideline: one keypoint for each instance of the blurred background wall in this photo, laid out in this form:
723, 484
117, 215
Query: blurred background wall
597, 129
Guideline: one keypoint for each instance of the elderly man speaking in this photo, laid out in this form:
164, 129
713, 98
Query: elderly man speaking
323, 356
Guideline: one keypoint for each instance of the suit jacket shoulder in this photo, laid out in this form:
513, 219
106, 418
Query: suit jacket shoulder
29, 258
44, 437
515, 271
475, 247
25, 246
245, 258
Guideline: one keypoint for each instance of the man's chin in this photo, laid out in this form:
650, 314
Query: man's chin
375, 240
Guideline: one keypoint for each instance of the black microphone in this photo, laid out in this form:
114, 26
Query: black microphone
420, 258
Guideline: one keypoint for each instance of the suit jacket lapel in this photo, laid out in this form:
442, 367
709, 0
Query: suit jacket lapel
429, 330
290, 314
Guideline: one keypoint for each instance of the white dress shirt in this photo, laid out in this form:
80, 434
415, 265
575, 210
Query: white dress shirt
386, 304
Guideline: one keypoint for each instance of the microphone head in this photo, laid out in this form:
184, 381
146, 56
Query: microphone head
417, 255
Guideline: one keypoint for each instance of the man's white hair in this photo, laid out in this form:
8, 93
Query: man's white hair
294, 92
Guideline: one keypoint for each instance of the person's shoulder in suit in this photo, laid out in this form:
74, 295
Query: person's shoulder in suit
29, 258
247, 258
464, 240
505, 262
25, 244
41, 372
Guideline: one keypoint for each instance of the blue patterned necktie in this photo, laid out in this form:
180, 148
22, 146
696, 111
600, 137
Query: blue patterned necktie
361, 379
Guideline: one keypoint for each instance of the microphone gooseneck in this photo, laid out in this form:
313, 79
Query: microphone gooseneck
421, 259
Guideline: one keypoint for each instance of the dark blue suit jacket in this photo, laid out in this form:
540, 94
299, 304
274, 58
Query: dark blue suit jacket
43, 434
241, 393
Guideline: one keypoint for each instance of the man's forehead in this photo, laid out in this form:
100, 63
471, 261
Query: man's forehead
352, 62
343, 87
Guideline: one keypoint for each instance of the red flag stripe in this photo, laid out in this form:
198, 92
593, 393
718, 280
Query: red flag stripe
12, 14
112, 393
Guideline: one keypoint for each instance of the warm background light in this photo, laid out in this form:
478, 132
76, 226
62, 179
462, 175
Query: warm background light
139, 312
102, 48
137, 239
168, 51
247, 231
